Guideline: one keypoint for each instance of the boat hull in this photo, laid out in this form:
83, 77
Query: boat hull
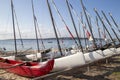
31, 69
27, 57
34, 56
9, 57
67, 62
93, 56
110, 52
118, 50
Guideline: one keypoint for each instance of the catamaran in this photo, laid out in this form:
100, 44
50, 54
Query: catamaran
27, 69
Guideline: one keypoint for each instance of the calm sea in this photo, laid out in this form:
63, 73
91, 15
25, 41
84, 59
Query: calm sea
31, 43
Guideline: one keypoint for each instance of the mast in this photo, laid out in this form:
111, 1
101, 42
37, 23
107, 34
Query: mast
114, 21
89, 19
14, 27
41, 39
88, 23
35, 26
64, 22
83, 29
110, 25
18, 29
104, 34
80, 21
99, 31
74, 26
104, 26
55, 31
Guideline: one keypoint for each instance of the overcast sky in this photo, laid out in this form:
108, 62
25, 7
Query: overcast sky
25, 19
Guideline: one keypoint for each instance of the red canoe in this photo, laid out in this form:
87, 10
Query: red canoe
27, 69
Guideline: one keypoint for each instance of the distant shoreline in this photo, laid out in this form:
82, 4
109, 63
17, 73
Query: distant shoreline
50, 38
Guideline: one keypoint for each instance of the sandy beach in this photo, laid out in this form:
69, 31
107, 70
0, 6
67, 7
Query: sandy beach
98, 71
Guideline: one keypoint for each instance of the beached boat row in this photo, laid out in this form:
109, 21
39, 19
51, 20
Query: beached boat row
35, 69
76, 58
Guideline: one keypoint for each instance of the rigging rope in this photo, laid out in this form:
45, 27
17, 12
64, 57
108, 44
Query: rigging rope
64, 22
18, 28
83, 25
103, 34
40, 33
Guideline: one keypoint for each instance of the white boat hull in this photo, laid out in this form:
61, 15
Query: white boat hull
30, 56
110, 52
118, 50
34, 56
71, 61
93, 56
9, 57
74, 51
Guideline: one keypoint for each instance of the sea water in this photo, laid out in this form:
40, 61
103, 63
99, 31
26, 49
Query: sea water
9, 45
